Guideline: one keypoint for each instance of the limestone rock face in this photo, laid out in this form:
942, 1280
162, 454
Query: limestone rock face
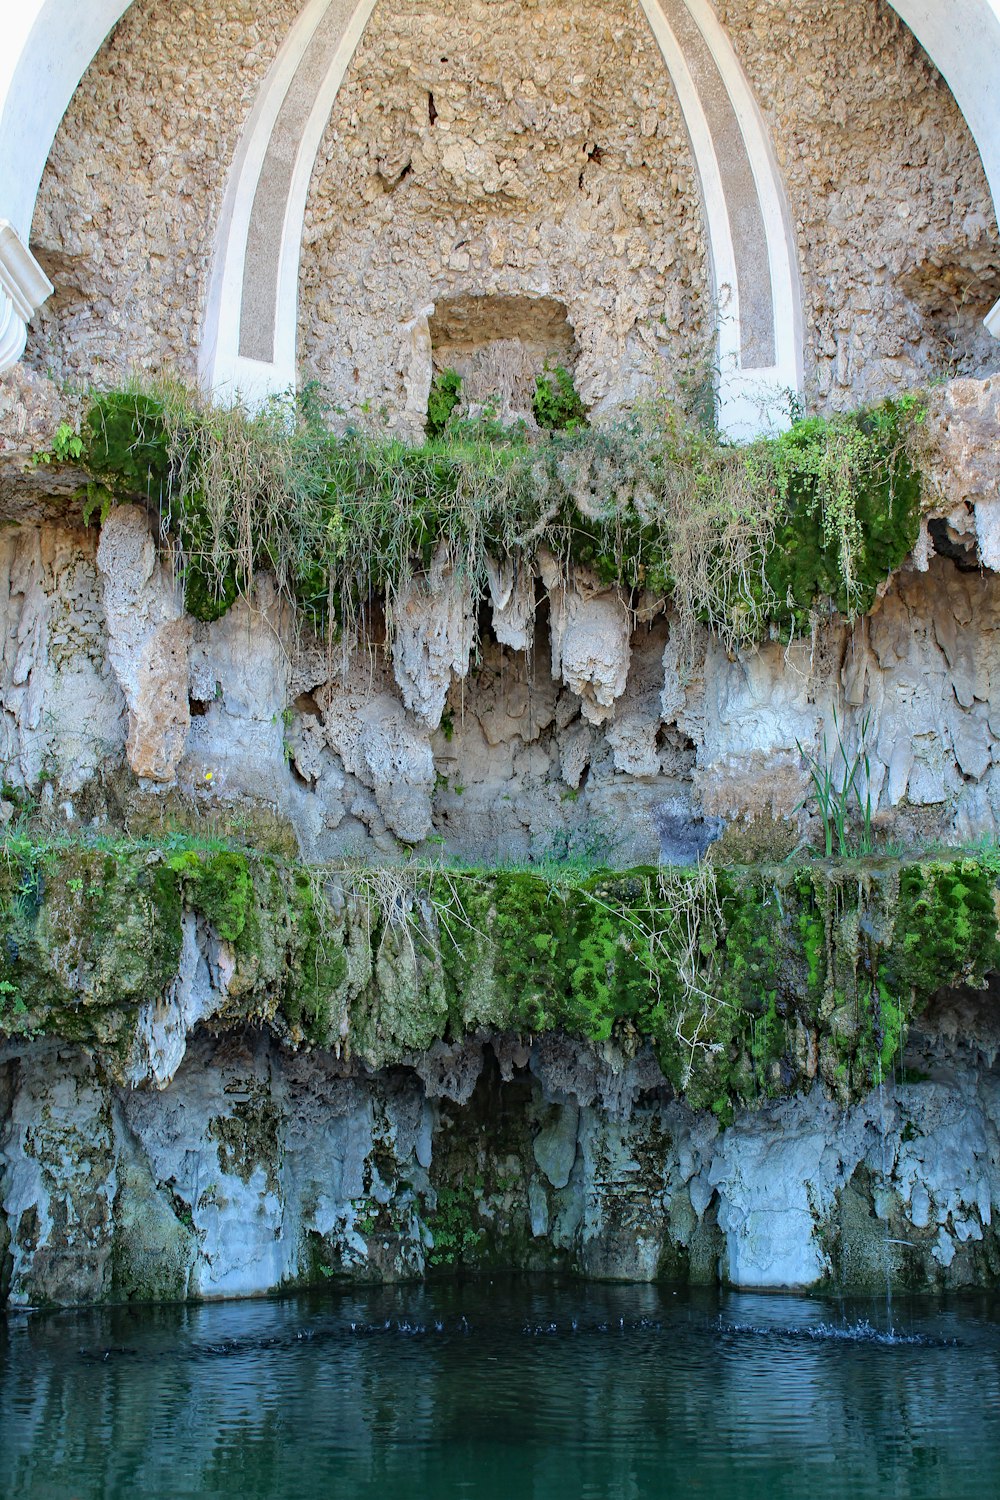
31, 408
58, 1180
960, 443
632, 735
239, 679
433, 630
512, 595
378, 744
149, 637
579, 1150
59, 701
590, 632
165, 1021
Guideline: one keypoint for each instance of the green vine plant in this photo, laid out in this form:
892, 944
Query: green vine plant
445, 395
746, 540
557, 406
836, 783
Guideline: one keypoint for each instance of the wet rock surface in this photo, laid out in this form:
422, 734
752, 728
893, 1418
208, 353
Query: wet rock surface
255, 1168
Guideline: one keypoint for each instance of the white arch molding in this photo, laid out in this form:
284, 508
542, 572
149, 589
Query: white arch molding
50, 43
251, 319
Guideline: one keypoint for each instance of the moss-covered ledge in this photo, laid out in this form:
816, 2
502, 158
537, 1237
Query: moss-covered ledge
749, 539
748, 982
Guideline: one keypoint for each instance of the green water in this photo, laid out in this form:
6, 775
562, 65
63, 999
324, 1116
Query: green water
504, 1389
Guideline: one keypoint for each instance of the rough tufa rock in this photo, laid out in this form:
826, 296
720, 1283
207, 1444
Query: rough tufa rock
148, 640
962, 434
433, 629
512, 595
380, 747
591, 628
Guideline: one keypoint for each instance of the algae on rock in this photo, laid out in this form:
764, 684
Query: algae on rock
748, 982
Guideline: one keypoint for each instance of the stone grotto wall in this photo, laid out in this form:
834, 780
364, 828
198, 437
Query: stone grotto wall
506, 149
556, 163
228, 1162
488, 171
895, 225
256, 1168
126, 215
564, 726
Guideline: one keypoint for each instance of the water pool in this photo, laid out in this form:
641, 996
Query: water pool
505, 1389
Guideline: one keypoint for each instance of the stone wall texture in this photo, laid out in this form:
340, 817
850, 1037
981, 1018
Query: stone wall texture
504, 148
126, 215
519, 148
895, 226
252, 1168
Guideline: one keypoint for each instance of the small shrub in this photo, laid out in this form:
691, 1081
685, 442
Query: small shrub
556, 405
446, 392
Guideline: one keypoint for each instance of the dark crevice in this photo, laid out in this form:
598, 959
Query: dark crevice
390, 187
963, 555
432, 113
306, 703
593, 154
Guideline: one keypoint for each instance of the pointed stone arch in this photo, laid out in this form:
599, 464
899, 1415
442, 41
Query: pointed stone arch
252, 315
50, 44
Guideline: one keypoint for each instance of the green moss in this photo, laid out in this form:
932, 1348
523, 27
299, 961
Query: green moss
319, 966
946, 926
218, 885
85, 931
745, 538
455, 1232
856, 499
744, 980
248, 1139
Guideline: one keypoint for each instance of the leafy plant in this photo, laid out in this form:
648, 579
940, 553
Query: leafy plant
556, 404
446, 392
67, 446
742, 539
834, 785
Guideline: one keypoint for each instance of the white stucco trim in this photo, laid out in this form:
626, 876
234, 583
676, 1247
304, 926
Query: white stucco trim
219, 360
751, 400
286, 329
962, 40
787, 373
47, 46
221, 366
720, 239
24, 286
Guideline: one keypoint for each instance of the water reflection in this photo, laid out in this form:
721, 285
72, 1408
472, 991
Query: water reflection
505, 1389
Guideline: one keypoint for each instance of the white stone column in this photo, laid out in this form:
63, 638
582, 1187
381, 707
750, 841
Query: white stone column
24, 286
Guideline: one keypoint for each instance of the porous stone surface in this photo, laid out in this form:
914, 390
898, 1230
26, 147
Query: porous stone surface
148, 637
127, 211
31, 408
503, 151
239, 684
432, 636
253, 1168
590, 632
894, 223
605, 738
959, 456
61, 702
520, 152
